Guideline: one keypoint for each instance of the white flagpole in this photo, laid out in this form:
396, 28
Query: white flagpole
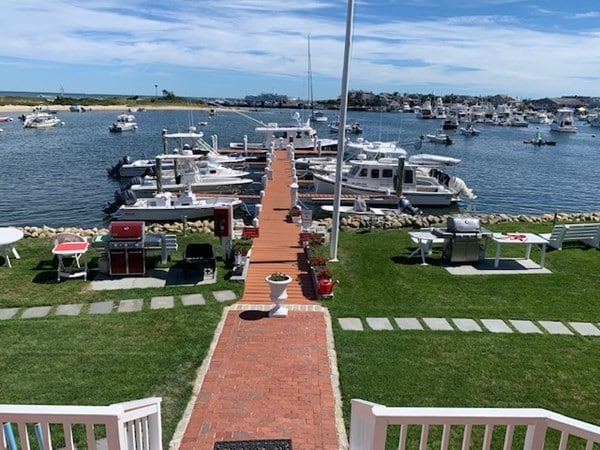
341, 146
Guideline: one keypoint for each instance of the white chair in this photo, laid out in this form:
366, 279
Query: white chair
70, 249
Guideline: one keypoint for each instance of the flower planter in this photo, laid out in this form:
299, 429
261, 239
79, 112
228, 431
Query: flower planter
278, 295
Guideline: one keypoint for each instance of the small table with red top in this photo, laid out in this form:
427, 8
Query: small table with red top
69, 256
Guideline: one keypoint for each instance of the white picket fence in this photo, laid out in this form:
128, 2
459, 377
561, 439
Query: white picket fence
134, 425
467, 428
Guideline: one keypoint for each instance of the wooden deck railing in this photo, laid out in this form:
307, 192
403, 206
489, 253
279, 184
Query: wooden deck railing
134, 425
371, 425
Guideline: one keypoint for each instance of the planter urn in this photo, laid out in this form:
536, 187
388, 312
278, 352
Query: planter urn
278, 295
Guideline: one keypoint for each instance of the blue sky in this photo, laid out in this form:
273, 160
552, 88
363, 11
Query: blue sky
234, 48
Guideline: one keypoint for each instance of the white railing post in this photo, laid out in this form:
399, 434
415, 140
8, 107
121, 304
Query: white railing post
535, 436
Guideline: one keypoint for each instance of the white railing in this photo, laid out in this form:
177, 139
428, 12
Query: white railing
134, 425
466, 428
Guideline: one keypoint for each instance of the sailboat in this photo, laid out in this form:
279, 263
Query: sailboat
316, 116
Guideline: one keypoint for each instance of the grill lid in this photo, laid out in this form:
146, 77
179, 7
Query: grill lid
126, 230
463, 224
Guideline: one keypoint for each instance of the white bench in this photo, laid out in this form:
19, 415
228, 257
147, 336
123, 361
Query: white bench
588, 233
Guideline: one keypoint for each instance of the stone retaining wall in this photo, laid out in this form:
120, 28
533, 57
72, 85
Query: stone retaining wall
346, 222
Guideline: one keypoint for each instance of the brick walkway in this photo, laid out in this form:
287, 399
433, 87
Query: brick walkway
270, 378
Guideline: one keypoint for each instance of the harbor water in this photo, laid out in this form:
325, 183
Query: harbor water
58, 176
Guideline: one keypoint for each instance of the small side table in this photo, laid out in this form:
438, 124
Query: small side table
76, 251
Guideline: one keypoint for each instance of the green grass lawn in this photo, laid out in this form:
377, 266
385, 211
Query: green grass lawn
98, 360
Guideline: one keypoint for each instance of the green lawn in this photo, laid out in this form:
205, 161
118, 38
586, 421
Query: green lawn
118, 357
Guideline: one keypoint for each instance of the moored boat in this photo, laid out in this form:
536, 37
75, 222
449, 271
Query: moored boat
124, 122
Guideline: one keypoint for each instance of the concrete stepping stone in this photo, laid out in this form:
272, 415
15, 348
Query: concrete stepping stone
379, 323
101, 307
164, 302
8, 313
69, 310
555, 327
408, 323
525, 326
224, 296
36, 312
350, 324
585, 329
437, 324
467, 325
496, 326
131, 305
193, 299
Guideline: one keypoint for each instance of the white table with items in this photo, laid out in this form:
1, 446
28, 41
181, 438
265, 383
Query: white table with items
8, 237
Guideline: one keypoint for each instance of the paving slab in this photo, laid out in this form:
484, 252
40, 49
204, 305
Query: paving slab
224, 296
437, 324
379, 323
507, 266
193, 299
585, 328
466, 325
555, 327
8, 313
496, 325
351, 324
131, 305
408, 323
101, 307
525, 326
69, 310
164, 302
36, 312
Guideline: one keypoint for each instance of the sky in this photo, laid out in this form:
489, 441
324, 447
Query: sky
233, 48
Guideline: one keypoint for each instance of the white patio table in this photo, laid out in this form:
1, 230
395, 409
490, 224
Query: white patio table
526, 239
8, 237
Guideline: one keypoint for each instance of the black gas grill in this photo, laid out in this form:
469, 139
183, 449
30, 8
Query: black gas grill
462, 239
126, 253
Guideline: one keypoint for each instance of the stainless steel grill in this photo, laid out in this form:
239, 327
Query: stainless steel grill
462, 239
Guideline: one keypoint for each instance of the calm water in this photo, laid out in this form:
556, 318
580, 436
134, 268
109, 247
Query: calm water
57, 177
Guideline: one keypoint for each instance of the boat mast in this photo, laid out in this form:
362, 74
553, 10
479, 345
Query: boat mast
310, 85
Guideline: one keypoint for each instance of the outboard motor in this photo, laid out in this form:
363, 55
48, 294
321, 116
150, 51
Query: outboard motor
405, 206
134, 181
114, 171
122, 197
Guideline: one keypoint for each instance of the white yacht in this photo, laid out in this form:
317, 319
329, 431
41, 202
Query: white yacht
563, 121
302, 136
421, 185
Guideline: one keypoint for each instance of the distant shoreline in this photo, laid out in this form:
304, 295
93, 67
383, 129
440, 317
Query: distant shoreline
65, 108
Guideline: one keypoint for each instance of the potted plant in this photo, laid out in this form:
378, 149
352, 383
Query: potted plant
294, 214
325, 283
241, 247
278, 283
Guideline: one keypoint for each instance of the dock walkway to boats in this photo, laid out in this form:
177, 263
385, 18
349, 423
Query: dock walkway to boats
269, 378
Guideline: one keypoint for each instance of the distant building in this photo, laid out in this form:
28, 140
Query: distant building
554, 103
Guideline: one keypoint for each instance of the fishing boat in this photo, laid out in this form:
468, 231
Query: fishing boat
41, 120
439, 137
187, 172
124, 122
166, 206
361, 208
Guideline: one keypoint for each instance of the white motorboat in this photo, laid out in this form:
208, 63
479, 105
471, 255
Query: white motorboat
188, 172
563, 121
351, 128
167, 206
439, 137
318, 116
124, 122
300, 135
41, 120
361, 208
421, 185
175, 143
469, 130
